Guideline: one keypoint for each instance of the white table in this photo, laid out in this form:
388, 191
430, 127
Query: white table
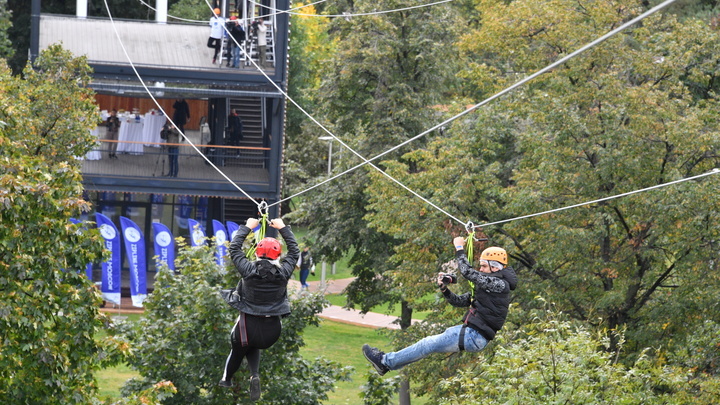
130, 130
95, 153
152, 126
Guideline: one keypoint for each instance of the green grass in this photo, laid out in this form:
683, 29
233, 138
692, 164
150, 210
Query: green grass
339, 300
341, 343
333, 340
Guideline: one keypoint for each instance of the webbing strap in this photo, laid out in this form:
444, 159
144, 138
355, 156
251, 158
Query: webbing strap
242, 329
461, 339
469, 248
259, 235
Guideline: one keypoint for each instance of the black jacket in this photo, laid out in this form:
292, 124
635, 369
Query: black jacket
489, 306
264, 286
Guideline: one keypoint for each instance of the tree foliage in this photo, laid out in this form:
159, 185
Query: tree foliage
561, 363
636, 111
184, 338
48, 308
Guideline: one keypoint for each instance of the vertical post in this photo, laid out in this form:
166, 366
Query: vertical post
322, 277
161, 8
81, 8
330, 142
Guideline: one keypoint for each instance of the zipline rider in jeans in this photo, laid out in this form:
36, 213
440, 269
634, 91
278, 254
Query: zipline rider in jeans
488, 307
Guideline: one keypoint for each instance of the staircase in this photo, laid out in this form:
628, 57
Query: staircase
251, 113
239, 211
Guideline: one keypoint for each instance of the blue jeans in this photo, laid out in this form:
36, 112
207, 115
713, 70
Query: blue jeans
446, 342
303, 278
236, 55
173, 154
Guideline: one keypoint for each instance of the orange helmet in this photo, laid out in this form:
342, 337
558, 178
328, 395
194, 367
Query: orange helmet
217, 11
494, 253
268, 248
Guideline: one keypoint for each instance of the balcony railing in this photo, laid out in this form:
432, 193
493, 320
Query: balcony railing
150, 161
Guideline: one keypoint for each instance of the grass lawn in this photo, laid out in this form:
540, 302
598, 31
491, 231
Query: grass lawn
333, 340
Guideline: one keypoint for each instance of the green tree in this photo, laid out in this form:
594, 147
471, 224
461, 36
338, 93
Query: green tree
628, 114
552, 360
183, 338
379, 89
310, 46
6, 49
49, 310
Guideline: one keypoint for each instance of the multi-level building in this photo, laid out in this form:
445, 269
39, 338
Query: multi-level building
169, 59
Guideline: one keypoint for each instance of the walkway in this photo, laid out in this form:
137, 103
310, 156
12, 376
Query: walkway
333, 313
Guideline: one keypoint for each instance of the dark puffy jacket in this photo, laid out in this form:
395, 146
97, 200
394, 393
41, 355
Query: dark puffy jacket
264, 286
489, 307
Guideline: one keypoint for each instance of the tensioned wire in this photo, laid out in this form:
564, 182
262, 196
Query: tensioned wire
496, 96
205, 21
122, 45
328, 131
469, 225
642, 190
276, 11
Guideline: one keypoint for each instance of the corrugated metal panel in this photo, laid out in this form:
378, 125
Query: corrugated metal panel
147, 43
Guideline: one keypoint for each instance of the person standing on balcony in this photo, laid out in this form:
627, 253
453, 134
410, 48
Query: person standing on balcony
113, 128
261, 38
238, 39
172, 137
236, 127
182, 114
216, 33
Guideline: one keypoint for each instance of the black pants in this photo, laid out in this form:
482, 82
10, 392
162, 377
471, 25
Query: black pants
214, 43
250, 335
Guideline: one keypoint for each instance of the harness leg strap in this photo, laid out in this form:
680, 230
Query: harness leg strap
461, 339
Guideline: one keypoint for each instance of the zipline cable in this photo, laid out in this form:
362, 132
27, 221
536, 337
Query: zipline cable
328, 131
496, 95
122, 45
350, 15
710, 173
205, 21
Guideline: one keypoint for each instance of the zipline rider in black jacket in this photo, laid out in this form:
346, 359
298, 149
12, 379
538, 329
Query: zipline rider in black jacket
488, 308
263, 299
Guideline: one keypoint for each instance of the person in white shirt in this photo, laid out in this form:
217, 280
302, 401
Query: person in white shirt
216, 33
261, 41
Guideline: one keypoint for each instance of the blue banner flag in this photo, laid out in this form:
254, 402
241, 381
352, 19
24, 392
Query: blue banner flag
232, 229
110, 286
135, 250
220, 239
89, 267
164, 246
197, 234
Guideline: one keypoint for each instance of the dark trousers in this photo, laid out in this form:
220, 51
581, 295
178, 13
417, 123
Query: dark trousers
173, 158
250, 335
214, 43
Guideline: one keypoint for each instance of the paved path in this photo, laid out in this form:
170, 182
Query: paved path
333, 313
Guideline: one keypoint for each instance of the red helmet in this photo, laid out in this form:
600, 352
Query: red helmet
268, 248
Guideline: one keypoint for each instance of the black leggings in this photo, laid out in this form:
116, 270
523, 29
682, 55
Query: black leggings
249, 335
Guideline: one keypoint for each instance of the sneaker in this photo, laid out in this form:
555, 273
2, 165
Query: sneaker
213, 62
254, 387
225, 383
375, 356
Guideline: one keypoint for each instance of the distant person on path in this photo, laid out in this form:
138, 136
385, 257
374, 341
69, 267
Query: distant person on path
305, 264
261, 299
216, 33
235, 126
111, 134
171, 136
181, 114
236, 41
488, 307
